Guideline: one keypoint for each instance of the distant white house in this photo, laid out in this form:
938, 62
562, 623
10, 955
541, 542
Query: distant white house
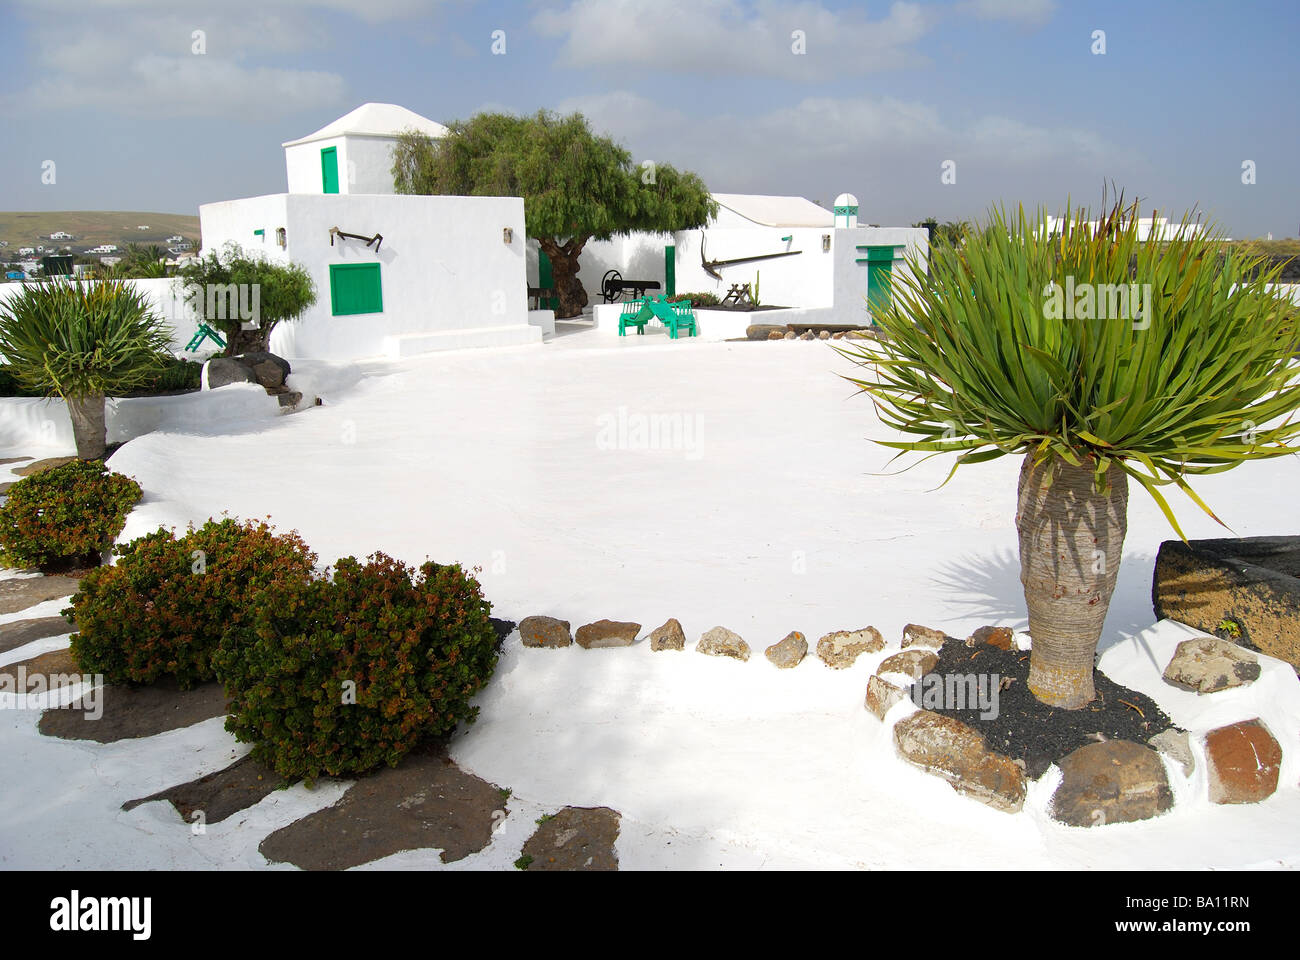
60, 235
1149, 228
175, 239
395, 275
143, 226
109, 261
104, 248
26, 251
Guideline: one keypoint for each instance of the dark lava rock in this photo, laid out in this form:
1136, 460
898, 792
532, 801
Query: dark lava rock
18, 633
1112, 782
576, 838
425, 801
131, 712
223, 371
1021, 726
19, 593
243, 784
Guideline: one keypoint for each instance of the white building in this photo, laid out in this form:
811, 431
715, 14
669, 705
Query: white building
354, 154
395, 275
796, 253
60, 235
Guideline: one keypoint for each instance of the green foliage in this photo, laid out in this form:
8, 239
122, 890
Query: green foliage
70, 339
349, 672
167, 603
574, 183
524, 862
705, 299
139, 262
177, 374
951, 232
173, 374
283, 292
65, 516
979, 359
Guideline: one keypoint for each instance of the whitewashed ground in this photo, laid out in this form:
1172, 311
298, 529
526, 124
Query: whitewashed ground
766, 514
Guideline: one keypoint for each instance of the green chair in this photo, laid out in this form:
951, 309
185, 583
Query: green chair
201, 334
634, 314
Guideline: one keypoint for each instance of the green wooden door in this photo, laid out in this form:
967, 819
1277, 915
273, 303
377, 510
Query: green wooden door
329, 170
545, 279
355, 288
670, 271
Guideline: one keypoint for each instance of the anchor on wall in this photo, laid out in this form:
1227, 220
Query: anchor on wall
710, 266
377, 239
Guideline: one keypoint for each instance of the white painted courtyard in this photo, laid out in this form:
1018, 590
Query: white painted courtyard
762, 508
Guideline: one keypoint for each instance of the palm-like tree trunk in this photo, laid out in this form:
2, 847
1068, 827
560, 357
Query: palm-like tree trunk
88, 429
1071, 538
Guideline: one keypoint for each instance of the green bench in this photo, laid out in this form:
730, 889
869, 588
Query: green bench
675, 317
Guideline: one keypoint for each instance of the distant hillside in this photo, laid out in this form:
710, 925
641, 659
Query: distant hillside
90, 228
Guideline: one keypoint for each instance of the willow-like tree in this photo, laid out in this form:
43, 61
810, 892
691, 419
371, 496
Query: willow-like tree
576, 186
1098, 360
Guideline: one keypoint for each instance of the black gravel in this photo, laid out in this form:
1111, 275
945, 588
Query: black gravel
1025, 728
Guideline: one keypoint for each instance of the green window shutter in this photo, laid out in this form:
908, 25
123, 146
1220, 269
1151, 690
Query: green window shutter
355, 288
670, 271
329, 170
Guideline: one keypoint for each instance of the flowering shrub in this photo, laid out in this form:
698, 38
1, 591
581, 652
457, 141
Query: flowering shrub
349, 672
65, 516
167, 603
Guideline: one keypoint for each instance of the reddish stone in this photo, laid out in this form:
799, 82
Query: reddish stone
1244, 760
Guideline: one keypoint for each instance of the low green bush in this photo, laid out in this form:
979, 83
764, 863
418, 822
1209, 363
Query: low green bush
354, 670
173, 375
697, 299
168, 601
65, 516
176, 374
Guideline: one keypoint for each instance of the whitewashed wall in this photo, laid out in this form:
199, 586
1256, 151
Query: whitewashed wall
33, 424
449, 280
365, 165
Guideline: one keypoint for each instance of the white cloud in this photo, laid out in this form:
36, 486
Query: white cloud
138, 56
734, 37
821, 146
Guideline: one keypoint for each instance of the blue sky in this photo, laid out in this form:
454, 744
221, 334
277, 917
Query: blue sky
1010, 91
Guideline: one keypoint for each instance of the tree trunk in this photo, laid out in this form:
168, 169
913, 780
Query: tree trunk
1071, 538
240, 341
564, 274
88, 428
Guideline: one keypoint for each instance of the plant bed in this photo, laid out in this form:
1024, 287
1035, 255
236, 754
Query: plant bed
1024, 728
1246, 590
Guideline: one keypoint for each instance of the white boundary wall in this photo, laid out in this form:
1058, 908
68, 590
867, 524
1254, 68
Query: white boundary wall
32, 422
